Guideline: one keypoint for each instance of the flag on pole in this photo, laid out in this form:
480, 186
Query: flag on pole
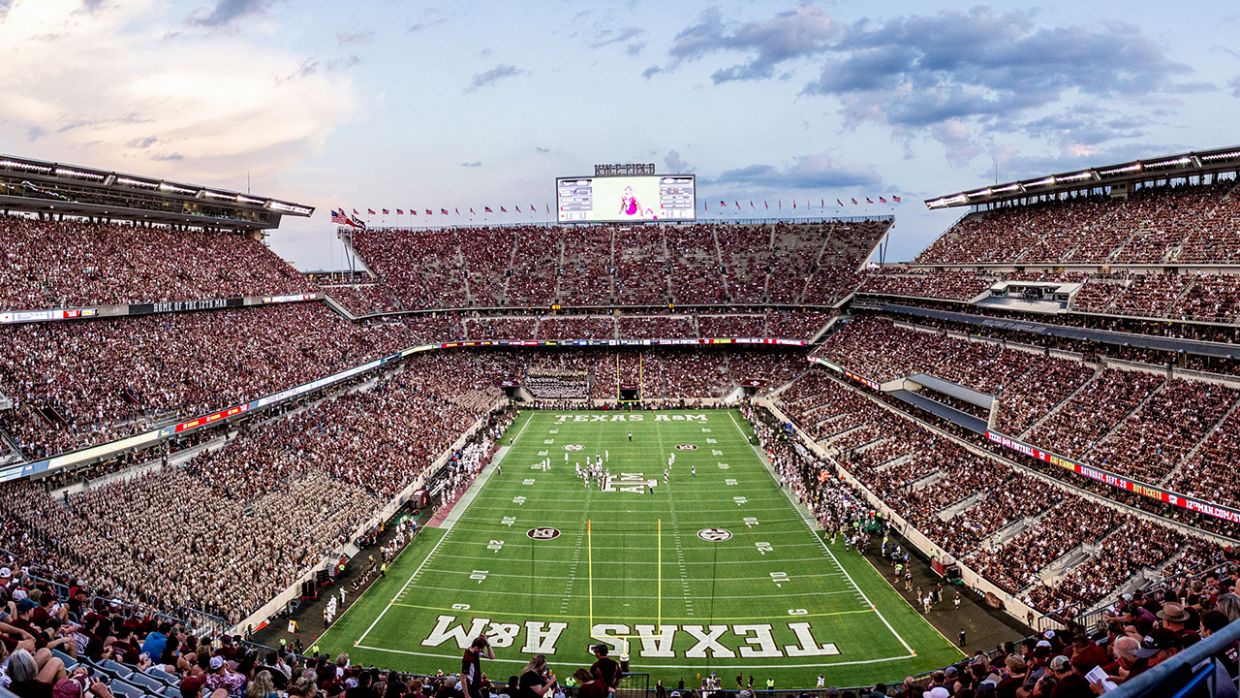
339, 218
868, 200
518, 208
854, 200
841, 203
533, 208
766, 204
781, 204
471, 211
822, 204
751, 206
371, 211
503, 210
358, 223
723, 204
458, 211
487, 209
794, 204
385, 211
400, 211
430, 212
443, 211
882, 199
895, 198
548, 208
738, 205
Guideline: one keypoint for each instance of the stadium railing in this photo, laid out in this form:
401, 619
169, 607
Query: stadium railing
1197, 671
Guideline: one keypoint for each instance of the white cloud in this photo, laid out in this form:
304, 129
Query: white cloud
207, 105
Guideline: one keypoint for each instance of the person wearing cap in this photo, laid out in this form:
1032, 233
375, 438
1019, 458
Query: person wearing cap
936, 692
221, 676
605, 668
1071, 683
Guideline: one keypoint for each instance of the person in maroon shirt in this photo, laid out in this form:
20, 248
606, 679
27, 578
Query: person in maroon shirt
471, 666
1086, 654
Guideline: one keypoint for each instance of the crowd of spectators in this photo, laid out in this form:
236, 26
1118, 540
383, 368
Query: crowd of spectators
1027, 384
1007, 525
85, 382
59, 264
946, 285
1185, 224
537, 266
265, 507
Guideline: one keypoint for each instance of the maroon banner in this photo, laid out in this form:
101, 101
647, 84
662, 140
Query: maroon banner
1217, 511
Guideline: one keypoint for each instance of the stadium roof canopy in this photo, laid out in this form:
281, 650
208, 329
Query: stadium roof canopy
51, 188
1165, 167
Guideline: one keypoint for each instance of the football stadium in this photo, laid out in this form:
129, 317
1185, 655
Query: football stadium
631, 428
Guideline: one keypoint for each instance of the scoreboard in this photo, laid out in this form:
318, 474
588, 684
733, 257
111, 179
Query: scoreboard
625, 199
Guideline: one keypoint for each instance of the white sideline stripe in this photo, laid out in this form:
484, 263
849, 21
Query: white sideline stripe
834, 559
425, 560
664, 666
405, 586
626, 563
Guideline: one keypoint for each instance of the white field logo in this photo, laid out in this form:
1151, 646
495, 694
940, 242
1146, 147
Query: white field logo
573, 447
714, 535
636, 417
753, 640
686, 447
543, 533
633, 483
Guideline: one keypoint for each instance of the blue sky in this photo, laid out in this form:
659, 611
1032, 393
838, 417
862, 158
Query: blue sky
465, 104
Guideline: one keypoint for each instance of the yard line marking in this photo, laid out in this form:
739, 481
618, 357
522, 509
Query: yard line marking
655, 665
751, 596
834, 559
573, 616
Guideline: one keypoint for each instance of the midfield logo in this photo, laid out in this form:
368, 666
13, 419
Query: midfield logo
633, 483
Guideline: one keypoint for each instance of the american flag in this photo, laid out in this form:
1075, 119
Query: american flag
895, 198
487, 209
339, 218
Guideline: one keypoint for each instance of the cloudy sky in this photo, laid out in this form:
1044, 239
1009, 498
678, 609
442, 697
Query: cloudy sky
468, 104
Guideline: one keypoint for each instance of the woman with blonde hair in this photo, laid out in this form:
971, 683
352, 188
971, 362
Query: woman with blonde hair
535, 679
263, 687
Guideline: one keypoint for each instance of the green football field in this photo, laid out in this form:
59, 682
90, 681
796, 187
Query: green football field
713, 571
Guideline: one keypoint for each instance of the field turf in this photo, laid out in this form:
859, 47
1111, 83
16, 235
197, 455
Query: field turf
717, 571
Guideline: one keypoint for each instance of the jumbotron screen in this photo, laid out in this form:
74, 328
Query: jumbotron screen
625, 199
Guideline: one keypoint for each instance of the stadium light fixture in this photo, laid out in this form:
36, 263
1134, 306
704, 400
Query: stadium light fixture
164, 186
1045, 181
1221, 156
289, 208
14, 164
67, 172
1003, 190
1079, 176
1134, 167
1180, 161
241, 199
129, 181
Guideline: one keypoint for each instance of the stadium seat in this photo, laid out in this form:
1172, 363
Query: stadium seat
123, 688
69, 661
163, 676
6, 693
151, 684
112, 668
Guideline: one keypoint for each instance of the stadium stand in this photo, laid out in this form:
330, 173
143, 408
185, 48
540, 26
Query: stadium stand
537, 266
68, 264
